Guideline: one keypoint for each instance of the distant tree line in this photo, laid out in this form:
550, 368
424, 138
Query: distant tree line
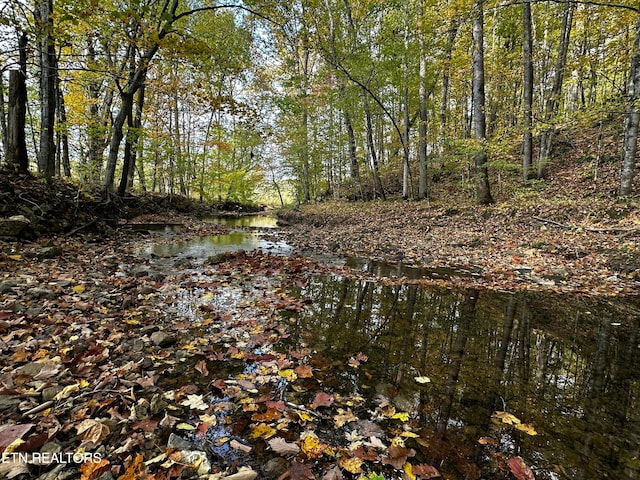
337, 97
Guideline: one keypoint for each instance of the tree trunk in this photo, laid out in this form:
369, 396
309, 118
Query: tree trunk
444, 93
3, 118
546, 138
423, 96
48, 73
354, 171
63, 132
372, 149
16, 139
632, 121
527, 51
483, 190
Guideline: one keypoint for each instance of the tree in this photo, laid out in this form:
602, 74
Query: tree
16, 144
43, 14
483, 190
553, 97
527, 87
632, 120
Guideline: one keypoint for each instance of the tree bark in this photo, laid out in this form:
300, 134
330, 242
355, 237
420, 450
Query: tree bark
48, 73
527, 124
483, 190
551, 105
632, 121
3, 118
63, 135
372, 149
16, 138
423, 95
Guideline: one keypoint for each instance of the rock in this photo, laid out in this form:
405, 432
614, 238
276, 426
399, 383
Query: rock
141, 271
50, 392
36, 293
7, 402
5, 287
13, 226
275, 468
162, 339
50, 252
179, 443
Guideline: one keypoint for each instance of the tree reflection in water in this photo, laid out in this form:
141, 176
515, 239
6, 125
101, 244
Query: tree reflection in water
566, 365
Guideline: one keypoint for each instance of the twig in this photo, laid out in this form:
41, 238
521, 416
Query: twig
39, 408
81, 227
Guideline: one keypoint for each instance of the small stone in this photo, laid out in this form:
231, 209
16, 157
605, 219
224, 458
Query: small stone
39, 292
13, 226
50, 392
162, 339
50, 252
275, 468
179, 443
5, 287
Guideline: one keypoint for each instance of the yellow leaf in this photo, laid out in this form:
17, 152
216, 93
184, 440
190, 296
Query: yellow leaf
78, 288
14, 257
527, 428
262, 430
351, 465
67, 391
508, 418
402, 416
408, 470
312, 447
409, 435
288, 374
185, 426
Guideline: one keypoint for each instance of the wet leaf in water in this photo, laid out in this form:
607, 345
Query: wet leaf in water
520, 469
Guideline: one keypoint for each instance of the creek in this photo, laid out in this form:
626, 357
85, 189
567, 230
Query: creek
554, 379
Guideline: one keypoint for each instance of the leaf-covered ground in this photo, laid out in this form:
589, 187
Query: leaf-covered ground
590, 248
117, 364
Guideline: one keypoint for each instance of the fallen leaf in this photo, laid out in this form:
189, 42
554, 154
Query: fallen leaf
322, 399
343, 417
282, 447
304, 371
333, 474
92, 432
507, 418
195, 402
135, 470
351, 464
426, 471
262, 430
422, 380
243, 473
520, 469
288, 374
9, 433
300, 471
91, 470
527, 428
311, 446
201, 367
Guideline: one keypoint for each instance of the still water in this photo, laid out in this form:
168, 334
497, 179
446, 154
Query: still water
567, 367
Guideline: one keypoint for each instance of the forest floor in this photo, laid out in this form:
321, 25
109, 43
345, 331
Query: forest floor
129, 361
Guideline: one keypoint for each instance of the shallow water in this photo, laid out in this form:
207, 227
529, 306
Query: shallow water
566, 367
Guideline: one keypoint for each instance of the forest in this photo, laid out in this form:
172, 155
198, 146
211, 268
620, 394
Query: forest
319, 239
299, 101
